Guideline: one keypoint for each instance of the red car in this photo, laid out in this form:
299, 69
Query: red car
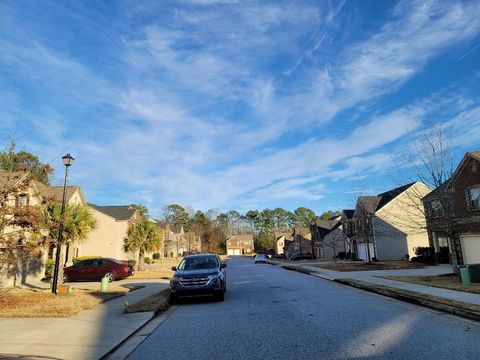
96, 269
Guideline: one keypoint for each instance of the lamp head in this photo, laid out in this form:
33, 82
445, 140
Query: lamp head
67, 160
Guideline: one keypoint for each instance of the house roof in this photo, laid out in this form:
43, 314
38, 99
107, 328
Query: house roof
244, 237
326, 226
287, 234
56, 192
437, 192
372, 204
9, 178
475, 154
349, 213
118, 212
388, 196
369, 203
301, 230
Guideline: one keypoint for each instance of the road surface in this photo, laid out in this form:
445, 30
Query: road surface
272, 313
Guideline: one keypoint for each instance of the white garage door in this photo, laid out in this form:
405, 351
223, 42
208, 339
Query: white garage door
471, 249
233, 252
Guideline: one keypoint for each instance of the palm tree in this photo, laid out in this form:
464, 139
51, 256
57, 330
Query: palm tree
143, 236
79, 221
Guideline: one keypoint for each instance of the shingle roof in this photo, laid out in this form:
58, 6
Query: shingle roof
372, 204
369, 203
245, 237
55, 192
119, 212
9, 178
349, 213
326, 226
475, 154
388, 196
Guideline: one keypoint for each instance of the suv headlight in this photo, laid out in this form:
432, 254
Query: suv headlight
213, 276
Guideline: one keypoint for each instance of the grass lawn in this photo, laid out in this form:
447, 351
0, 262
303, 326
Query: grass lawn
363, 266
42, 303
156, 302
450, 281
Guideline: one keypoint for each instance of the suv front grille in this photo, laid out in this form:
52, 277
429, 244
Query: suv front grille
194, 280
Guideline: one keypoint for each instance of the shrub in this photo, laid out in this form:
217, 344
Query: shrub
132, 262
156, 256
49, 265
147, 261
80, 258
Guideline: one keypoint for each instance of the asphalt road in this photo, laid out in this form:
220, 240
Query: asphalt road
272, 313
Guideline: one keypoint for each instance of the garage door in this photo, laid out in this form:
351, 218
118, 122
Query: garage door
233, 252
471, 249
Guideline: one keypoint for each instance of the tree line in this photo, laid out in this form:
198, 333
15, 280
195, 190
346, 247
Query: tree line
214, 227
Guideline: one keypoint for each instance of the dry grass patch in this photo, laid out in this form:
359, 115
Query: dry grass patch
20, 303
153, 274
157, 302
363, 266
450, 281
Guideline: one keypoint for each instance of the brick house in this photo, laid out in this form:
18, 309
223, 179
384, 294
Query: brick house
301, 242
240, 245
453, 214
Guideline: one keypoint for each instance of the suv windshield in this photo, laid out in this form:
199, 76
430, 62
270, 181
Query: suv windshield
198, 263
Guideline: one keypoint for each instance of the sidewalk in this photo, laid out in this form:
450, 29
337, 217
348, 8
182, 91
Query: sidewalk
88, 335
374, 277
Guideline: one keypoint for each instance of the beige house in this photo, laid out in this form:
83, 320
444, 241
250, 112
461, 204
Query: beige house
391, 225
178, 242
282, 240
107, 239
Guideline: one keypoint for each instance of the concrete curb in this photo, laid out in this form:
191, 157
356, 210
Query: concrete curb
131, 342
385, 291
412, 299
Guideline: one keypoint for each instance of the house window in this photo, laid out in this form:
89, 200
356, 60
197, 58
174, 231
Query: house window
474, 198
21, 200
435, 208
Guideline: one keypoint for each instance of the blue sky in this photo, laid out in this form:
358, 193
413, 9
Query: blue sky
235, 104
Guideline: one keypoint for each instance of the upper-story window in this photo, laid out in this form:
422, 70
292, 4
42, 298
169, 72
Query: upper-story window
435, 208
474, 198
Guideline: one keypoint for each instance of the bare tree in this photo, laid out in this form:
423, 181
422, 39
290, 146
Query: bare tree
430, 160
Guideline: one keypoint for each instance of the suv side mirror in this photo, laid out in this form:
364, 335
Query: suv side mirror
174, 268
223, 265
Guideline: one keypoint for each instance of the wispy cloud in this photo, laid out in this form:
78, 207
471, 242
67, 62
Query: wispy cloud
225, 103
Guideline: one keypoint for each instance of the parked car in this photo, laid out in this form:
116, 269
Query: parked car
96, 269
260, 258
300, 256
278, 256
199, 275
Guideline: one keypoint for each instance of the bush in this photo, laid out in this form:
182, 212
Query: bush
147, 261
132, 262
156, 256
49, 265
80, 258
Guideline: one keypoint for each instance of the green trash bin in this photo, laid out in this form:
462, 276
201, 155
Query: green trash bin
104, 285
474, 271
465, 274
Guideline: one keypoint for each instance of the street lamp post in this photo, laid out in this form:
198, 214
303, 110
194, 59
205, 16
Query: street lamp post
67, 161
